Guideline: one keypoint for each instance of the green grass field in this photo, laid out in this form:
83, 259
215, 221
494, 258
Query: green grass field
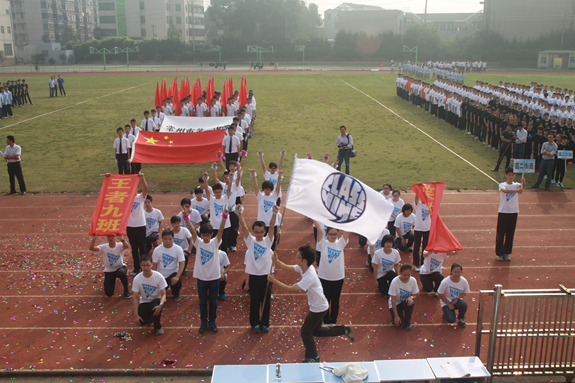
66, 150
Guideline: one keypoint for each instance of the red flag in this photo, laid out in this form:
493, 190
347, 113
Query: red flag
176, 100
158, 99
164, 93
243, 94
183, 90
231, 86
188, 92
441, 240
193, 94
169, 92
224, 100
114, 205
177, 148
199, 90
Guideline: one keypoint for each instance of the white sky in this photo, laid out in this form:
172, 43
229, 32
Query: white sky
415, 6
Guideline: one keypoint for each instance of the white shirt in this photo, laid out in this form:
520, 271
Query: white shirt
202, 207
521, 136
181, 238
509, 202
14, 151
452, 290
113, 257
151, 125
422, 217
396, 208
259, 255
312, 286
265, 204
125, 145
153, 220
273, 178
168, 260
224, 261
207, 263
216, 209
137, 216
332, 266
226, 144
404, 224
377, 245
385, 263
432, 263
131, 138
401, 291
195, 216
149, 288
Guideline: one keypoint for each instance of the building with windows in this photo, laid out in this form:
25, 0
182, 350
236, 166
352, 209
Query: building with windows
356, 18
6, 31
141, 19
450, 25
52, 21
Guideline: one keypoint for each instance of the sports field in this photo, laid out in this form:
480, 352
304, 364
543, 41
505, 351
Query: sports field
67, 141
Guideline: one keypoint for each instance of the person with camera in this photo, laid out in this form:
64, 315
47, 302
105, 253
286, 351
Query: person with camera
345, 145
506, 148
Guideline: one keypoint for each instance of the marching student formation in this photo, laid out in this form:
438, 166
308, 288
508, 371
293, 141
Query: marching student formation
13, 94
206, 228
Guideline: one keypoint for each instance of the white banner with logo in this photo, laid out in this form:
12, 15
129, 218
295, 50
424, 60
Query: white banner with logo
174, 124
337, 200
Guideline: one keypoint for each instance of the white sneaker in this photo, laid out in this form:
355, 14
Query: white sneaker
500, 257
506, 257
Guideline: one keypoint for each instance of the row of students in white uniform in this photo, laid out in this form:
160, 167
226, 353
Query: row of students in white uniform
208, 108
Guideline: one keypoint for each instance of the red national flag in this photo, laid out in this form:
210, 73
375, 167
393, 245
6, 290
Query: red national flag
164, 93
441, 240
243, 94
114, 205
231, 86
183, 90
199, 89
176, 100
177, 148
158, 99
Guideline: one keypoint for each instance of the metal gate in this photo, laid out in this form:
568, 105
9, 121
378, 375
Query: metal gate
528, 331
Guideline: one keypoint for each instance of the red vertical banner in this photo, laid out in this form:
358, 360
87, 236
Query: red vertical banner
176, 100
158, 98
231, 86
243, 94
224, 100
164, 92
114, 205
441, 240
188, 92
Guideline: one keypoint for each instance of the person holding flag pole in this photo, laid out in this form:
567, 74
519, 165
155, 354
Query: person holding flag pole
507, 217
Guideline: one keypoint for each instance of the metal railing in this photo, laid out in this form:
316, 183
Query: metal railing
530, 332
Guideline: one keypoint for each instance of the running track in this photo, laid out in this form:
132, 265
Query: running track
55, 315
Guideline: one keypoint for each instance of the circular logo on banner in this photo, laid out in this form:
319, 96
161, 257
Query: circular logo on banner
344, 197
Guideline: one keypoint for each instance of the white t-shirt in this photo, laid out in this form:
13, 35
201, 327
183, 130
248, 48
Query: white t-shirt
385, 262
509, 202
259, 255
149, 288
274, 180
113, 257
137, 216
387, 197
224, 260
422, 217
202, 207
168, 260
452, 290
265, 204
404, 224
153, 221
195, 216
432, 263
312, 286
377, 245
216, 209
207, 263
324, 230
332, 266
181, 238
401, 291
396, 208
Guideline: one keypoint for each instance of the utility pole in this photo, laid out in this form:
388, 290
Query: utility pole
425, 14
154, 30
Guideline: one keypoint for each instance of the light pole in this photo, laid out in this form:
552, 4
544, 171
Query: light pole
127, 51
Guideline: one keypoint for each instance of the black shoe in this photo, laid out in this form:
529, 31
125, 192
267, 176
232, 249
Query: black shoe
348, 333
311, 360
23, 193
213, 327
10, 193
203, 327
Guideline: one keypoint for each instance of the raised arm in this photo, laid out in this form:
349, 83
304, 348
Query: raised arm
280, 265
144, 185
191, 228
261, 155
215, 171
283, 153
279, 183
345, 235
93, 243
125, 244
253, 174
206, 177
225, 215
242, 221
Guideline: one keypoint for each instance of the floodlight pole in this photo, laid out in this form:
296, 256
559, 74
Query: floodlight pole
302, 49
411, 50
127, 51
103, 52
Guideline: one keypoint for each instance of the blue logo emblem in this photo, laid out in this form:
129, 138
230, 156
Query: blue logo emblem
508, 196
435, 264
151, 222
424, 214
206, 256
148, 290
167, 259
135, 206
112, 258
200, 210
344, 197
386, 264
178, 241
259, 251
333, 254
404, 294
455, 292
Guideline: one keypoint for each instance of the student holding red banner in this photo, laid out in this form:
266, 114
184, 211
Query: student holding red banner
114, 266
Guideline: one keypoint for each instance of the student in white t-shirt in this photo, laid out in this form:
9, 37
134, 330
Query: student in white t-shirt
387, 192
508, 211
373, 247
272, 175
207, 269
154, 220
224, 267
331, 269
401, 297
232, 178
149, 288
397, 205
114, 266
168, 259
421, 231
136, 230
404, 225
258, 262
451, 292
201, 204
195, 215
218, 202
385, 264
430, 273
182, 236
267, 198
318, 306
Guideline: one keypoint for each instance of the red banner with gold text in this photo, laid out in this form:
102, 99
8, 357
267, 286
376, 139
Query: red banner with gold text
441, 240
114, 205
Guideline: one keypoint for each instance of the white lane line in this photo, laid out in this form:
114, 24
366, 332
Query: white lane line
421, 131
70, 106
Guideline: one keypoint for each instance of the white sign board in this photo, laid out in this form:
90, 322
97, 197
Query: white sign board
564, 154
523, 166
173, 124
